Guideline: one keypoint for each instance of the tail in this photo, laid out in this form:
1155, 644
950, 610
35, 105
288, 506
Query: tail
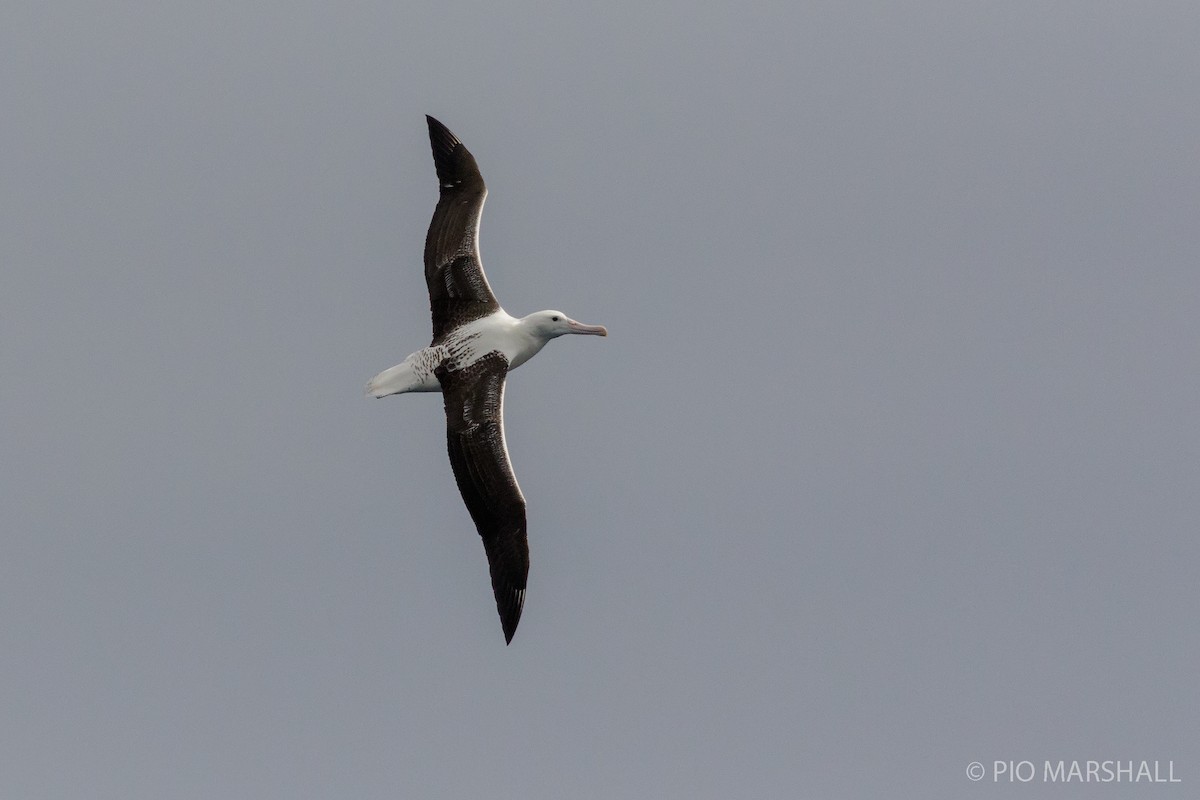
393, 380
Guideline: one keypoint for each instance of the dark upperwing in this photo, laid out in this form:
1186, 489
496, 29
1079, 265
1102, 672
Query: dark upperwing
458, 289
474, 399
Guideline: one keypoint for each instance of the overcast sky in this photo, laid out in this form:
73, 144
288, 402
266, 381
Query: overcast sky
890, 462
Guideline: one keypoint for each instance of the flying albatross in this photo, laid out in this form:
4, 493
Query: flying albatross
475, 345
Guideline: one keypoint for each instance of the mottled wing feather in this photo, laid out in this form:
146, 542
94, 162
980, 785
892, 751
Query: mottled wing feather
474, 399
458, 289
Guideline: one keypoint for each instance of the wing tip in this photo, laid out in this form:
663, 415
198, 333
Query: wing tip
438, 131
510, 613
455, 165
444, 143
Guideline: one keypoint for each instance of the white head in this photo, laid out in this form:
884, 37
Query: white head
552, 324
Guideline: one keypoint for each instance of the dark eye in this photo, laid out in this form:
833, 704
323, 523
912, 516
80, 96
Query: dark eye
554, 319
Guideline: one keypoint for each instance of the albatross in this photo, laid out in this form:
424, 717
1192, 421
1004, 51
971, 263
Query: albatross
476, 343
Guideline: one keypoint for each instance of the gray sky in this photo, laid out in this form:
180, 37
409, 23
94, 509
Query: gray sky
890, 463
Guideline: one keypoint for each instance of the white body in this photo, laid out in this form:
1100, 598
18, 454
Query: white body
518, 340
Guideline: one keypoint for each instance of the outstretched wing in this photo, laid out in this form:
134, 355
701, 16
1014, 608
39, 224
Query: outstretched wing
458, 289
474, 398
